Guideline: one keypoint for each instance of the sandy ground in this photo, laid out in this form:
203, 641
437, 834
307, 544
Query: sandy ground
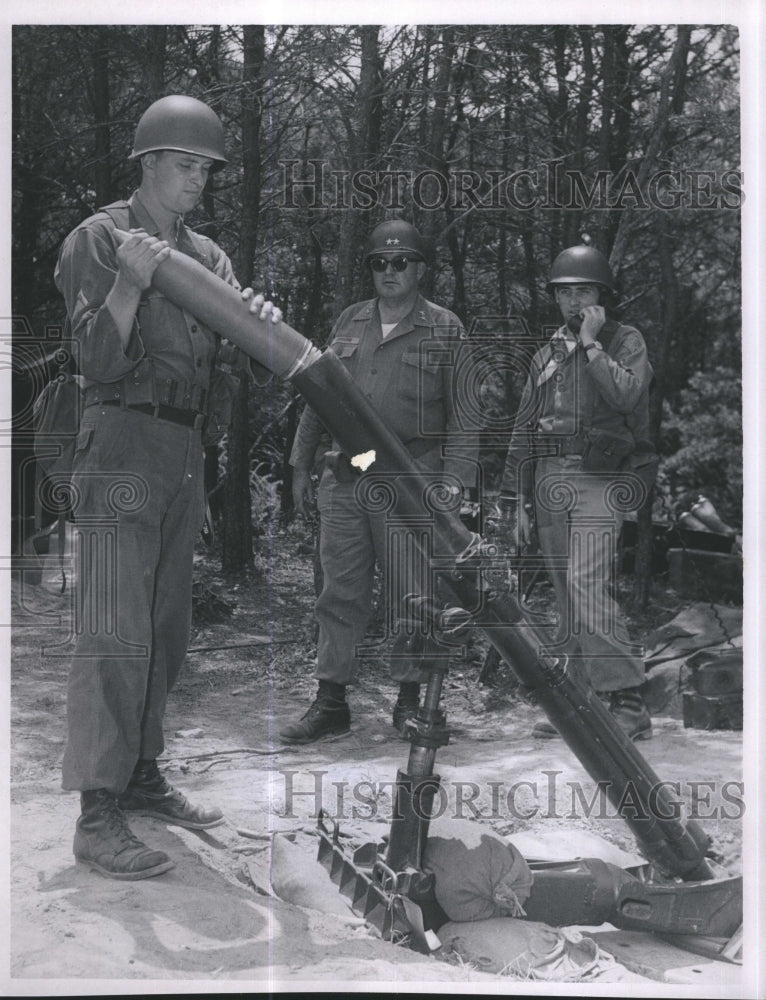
215, 918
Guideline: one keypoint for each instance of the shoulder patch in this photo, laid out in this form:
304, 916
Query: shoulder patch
627, 338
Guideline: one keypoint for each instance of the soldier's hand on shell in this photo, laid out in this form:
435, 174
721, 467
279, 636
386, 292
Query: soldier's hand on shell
261, 306
139, 256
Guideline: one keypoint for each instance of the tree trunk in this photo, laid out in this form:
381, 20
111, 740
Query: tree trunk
29, 195
642, 584
154, 70
559, 130
669, 321
672, 82
103, 166
578, 137
252, 94
615, 150
237, 533
364, 143
671, 99
437, 120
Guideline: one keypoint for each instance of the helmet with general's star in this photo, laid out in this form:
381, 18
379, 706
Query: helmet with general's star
396, 236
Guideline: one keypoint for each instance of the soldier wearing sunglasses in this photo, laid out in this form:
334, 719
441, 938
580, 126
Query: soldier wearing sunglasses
385, 343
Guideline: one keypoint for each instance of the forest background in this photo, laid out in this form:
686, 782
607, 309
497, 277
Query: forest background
502, 143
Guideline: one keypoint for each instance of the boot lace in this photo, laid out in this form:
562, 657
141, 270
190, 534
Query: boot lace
116, 821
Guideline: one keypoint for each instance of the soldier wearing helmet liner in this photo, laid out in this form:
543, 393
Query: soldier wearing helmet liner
582, 427
148, 368
381, 343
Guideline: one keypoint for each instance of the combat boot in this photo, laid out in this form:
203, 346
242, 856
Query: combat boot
151, 794
629, 709
407, 704
328, 715
104, 841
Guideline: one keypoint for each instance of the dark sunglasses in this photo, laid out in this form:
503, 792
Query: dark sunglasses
379, 264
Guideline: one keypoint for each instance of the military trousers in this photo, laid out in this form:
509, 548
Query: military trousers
578, 515
354, 535
139, 503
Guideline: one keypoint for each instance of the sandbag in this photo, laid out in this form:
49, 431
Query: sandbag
297, 877
478, 874
526, 949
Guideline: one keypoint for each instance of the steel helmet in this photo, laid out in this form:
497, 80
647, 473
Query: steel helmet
581, 265
396, 236
183, 124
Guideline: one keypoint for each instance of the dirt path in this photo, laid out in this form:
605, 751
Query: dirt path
215, 918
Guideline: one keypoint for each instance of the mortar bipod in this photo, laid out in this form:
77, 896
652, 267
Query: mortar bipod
386, 884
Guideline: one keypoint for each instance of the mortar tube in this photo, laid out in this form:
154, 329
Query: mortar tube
585, 724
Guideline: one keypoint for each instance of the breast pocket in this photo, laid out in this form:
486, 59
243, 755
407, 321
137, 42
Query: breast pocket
154, 319
418, 380
346, 347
